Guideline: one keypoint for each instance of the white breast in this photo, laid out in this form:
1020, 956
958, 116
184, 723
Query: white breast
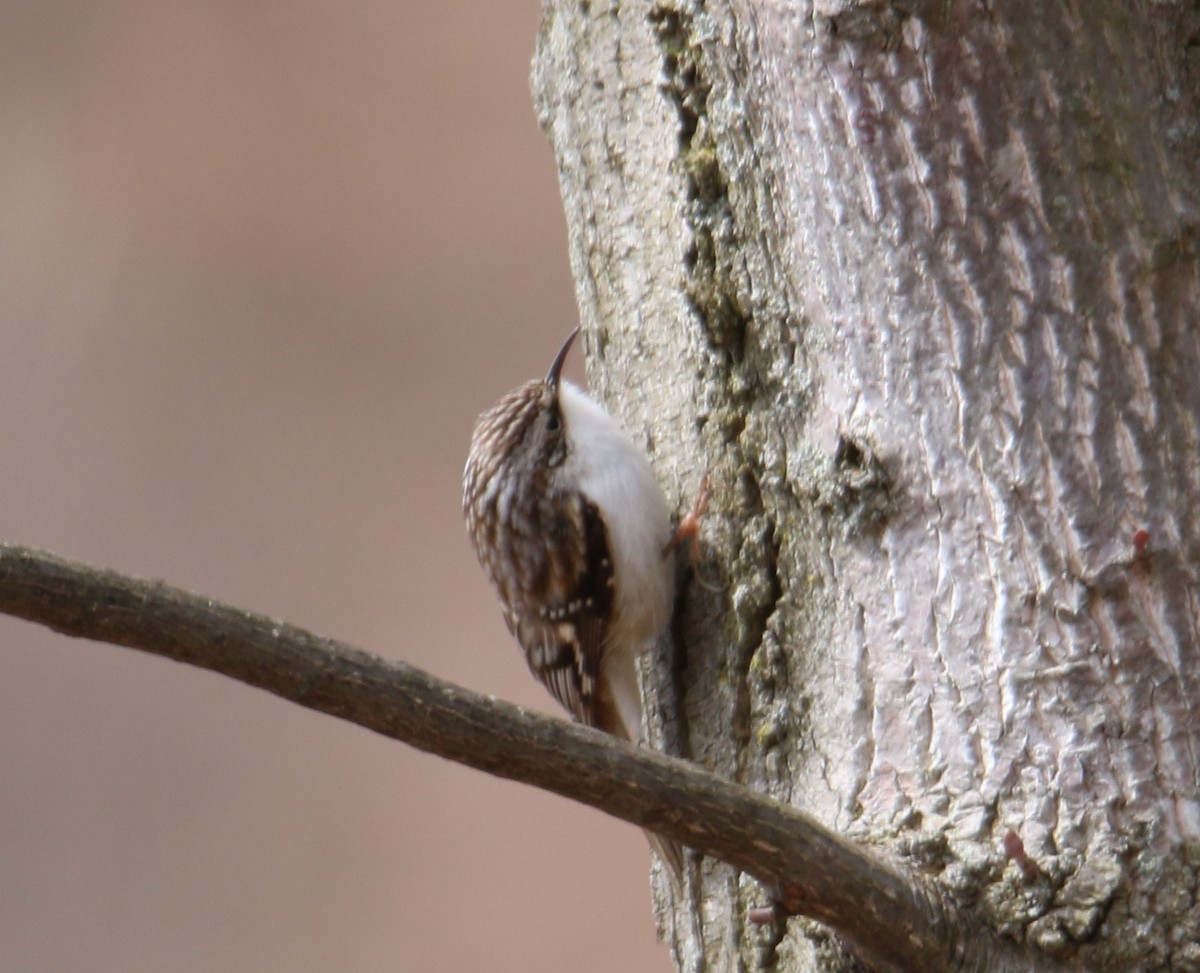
615, 475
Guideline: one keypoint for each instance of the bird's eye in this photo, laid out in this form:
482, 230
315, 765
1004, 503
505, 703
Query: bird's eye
553, 421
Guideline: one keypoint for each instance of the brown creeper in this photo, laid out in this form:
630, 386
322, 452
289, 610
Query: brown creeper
571, 527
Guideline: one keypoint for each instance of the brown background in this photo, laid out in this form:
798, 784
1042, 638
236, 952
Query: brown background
261, 265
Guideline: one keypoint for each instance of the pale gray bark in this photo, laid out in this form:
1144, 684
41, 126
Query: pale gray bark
920, 283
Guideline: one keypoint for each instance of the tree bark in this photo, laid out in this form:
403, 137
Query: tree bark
919, 282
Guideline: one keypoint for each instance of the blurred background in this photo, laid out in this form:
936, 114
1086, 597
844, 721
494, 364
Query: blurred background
261, 266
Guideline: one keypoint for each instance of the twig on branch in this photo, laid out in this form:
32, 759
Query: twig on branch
890, 917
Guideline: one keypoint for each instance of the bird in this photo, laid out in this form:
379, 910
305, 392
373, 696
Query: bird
574, 532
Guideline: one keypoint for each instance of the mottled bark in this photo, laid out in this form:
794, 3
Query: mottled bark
920, 283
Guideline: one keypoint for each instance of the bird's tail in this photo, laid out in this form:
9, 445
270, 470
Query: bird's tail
620, 713
670, 853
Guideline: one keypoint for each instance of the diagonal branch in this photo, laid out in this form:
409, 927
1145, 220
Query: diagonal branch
879, 910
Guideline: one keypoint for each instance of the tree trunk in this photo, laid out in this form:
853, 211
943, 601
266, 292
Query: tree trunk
919, 283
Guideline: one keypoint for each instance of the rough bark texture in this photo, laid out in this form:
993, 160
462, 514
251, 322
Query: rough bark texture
920, 282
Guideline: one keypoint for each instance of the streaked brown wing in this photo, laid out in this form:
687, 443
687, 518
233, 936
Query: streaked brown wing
564, 643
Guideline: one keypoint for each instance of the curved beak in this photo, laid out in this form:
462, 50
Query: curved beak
552, 376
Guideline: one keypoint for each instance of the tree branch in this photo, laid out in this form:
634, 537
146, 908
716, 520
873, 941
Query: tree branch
890, 917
